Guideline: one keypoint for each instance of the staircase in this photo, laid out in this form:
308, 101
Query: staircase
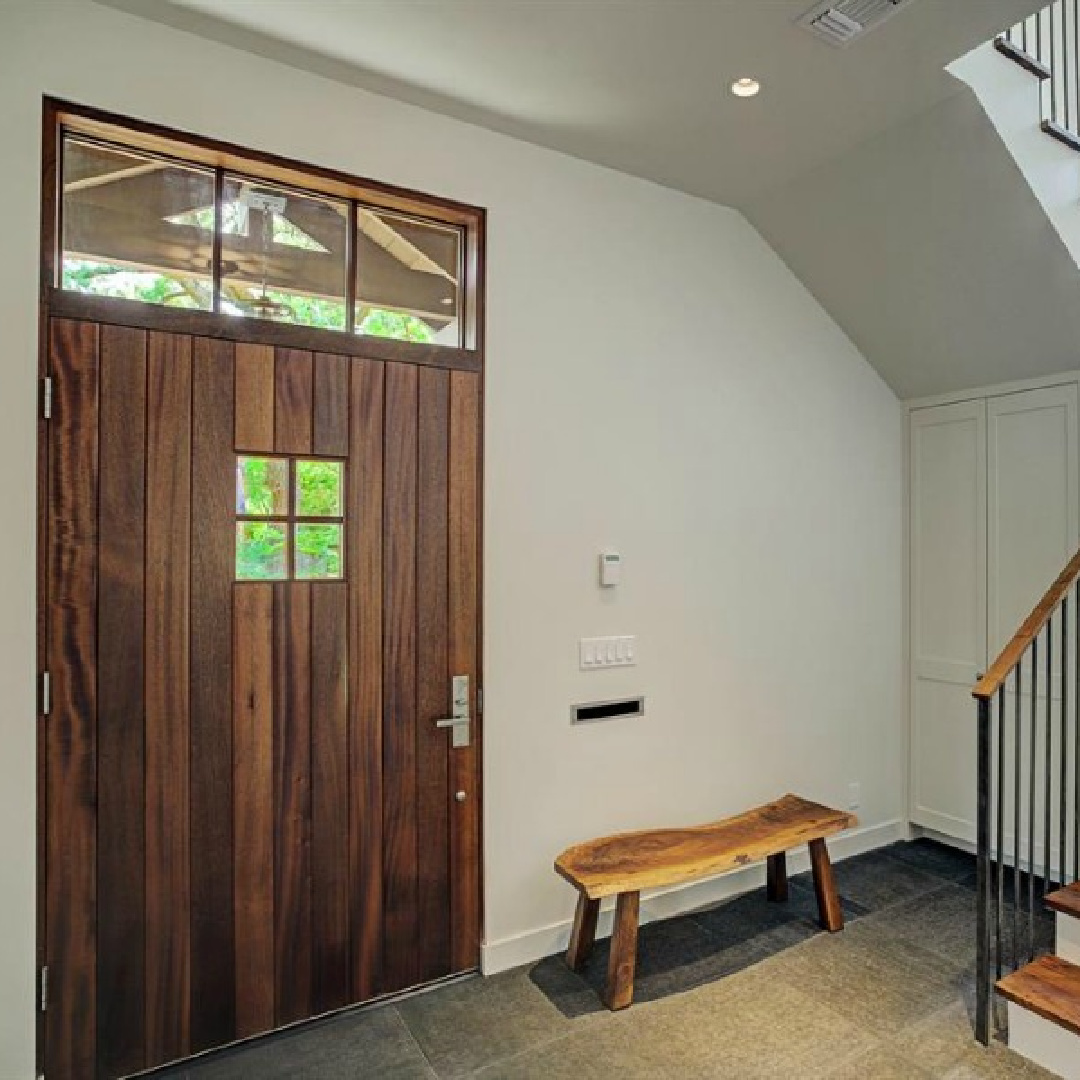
1029, 833
1044, 996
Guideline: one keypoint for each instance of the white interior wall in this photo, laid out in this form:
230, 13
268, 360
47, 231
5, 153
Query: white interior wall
658, 381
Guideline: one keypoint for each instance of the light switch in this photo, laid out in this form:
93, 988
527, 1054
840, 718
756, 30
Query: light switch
607, 652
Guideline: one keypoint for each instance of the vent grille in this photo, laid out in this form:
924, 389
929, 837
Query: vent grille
842, 21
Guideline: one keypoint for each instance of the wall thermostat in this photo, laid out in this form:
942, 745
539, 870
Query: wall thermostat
610, 568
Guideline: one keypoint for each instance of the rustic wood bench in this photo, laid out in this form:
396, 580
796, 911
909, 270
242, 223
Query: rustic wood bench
624, 864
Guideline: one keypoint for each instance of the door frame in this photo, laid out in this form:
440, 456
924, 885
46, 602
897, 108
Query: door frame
59, 116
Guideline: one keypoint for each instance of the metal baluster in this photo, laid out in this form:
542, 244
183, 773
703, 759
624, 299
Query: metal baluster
1023, 35
999, 861
1018, 790
982, 885
1076, 747
1031, 794
1053, 95
1063, 819
1076, 59
1047, 801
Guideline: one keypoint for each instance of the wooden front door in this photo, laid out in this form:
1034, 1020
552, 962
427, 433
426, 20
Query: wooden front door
249, 815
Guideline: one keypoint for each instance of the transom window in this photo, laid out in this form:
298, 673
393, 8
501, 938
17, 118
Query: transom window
290, 519
139, 225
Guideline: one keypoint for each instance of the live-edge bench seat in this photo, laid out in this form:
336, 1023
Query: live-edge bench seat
624, 864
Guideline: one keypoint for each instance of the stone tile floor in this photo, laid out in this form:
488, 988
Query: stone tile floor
743, 990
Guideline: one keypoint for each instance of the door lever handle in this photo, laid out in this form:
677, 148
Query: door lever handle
460, 728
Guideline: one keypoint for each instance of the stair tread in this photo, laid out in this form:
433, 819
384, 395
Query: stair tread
1066, 900
1049, 987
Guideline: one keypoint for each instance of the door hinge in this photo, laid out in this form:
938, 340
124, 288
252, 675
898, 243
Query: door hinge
46, 693
43, 997
479, 701
46, 397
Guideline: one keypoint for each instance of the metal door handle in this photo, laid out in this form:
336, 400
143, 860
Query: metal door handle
460, 728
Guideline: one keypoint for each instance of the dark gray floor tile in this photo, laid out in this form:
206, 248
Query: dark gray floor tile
876, 881
934, 858
469, 1025
373, 1043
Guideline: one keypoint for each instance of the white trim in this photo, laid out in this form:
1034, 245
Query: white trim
1067, 937
533, 945
1044, 1042
1042, 382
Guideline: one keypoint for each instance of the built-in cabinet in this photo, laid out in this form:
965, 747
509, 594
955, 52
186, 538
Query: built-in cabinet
993, 518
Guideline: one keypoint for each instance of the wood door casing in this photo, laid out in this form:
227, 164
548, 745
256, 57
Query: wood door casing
250, 815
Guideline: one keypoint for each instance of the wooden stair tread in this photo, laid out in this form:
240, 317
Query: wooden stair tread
653, 858
1048, 987
1066, 900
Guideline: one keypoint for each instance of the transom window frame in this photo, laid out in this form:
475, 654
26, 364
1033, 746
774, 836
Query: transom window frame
291, 517
63, 118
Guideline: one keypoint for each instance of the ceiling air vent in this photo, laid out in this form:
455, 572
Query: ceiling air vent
844, 20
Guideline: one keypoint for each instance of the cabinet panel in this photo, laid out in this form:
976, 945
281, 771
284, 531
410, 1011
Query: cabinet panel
948, 608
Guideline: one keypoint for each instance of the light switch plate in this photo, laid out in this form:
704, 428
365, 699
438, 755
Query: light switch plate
601, 652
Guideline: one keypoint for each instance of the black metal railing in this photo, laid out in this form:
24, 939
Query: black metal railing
1028, 826
1048, 45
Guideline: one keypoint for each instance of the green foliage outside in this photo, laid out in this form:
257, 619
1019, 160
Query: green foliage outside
105, 279
262, 547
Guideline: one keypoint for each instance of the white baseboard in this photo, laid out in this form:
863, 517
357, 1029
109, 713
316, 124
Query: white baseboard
533, 945
1044, 1042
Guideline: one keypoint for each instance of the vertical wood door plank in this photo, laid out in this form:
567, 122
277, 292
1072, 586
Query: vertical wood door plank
253, 806
120, 674
364, 571
255, 398
465, 660
71, 746
293, 401
213, 991
168, 855
292, 798
433, 675
330, 794
331, 436
400, 839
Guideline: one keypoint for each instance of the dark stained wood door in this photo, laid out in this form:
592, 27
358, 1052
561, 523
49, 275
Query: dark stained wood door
249, 815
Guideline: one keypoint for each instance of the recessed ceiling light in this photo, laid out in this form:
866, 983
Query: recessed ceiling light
745, 87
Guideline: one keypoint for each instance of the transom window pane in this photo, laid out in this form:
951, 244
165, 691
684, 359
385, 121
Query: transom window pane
408, 278
262, 486
318, 488
127, 228
283, 255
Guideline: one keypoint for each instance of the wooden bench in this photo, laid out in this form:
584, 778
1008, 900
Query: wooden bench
623, 865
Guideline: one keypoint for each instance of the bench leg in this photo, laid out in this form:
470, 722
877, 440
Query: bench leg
584, 933
620, 978
776, 888
832, 915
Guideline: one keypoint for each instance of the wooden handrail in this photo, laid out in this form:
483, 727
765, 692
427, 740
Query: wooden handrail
1010, 656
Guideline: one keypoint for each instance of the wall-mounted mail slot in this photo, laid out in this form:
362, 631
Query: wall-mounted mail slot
608, 710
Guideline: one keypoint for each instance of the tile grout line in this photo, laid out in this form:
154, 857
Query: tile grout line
415, 1041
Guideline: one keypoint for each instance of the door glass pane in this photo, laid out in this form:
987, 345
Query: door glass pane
283, 255
318, 551
261, 551
408, 278
262, 486
135, 226
318, 488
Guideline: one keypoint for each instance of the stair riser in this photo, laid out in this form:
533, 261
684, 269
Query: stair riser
1067, 942
1044, 1042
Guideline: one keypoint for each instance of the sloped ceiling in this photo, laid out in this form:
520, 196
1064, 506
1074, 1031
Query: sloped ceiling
639, 85
928, 246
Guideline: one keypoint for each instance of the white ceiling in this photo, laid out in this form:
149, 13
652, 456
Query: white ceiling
638, 85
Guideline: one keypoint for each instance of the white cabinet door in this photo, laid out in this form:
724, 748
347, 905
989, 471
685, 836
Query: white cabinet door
1032, 501
948, 610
